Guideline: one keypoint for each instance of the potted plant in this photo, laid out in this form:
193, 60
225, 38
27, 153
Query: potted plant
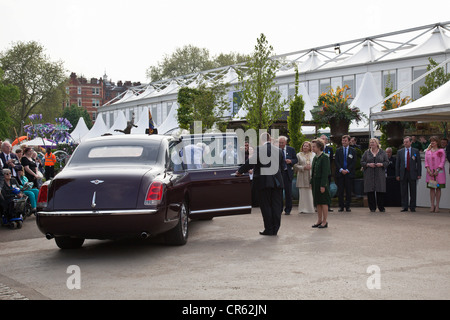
334, 110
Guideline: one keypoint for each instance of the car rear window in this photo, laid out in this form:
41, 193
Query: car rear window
115, 154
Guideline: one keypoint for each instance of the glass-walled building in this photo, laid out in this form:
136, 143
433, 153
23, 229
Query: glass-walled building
396, 59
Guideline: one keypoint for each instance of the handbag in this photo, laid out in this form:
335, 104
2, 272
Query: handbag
432, 184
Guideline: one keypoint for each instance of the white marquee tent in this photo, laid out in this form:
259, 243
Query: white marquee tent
313, 62
368, 97
120, 123
435, 106
438, 41
129, 94
171, 122
368, 53
99, 128
40, 142
142, 124
80, 130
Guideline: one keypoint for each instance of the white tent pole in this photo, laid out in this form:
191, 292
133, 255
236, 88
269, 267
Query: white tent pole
400, 90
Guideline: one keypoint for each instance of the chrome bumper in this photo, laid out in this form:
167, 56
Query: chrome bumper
96, 212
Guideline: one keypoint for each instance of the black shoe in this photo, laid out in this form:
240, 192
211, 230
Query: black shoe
348, 209
413, 210
316, 225
287, 213
382, 210
341, 210
323, 226
265, 233
371, 210
404, 210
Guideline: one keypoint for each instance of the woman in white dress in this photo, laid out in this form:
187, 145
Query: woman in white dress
303, 169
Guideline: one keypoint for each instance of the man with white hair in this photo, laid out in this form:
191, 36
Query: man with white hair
9, 159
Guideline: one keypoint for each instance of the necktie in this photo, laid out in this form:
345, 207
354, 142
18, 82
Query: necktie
345, 159
407, 160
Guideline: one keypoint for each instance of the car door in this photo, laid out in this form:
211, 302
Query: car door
212, 186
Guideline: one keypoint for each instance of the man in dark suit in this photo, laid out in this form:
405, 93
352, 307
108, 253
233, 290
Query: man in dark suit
9, 159
344, 161
290, 157
408, 169
267, 164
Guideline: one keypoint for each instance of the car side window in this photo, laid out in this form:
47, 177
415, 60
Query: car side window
207, 152
175, 162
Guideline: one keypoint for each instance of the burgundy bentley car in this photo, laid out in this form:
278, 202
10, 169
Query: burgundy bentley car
140, 186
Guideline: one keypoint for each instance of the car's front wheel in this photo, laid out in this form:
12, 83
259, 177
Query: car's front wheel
68, 242
178, 236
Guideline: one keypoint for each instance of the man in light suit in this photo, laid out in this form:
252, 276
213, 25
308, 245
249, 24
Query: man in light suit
345, 159
267, 164
290, 157
408, 169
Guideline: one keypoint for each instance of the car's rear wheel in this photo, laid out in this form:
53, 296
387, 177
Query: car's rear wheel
68, 242
178, 236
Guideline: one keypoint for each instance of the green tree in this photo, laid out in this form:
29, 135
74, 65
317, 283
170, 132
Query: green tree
228, 59
296, 117
205, 104
186, 60
186, 99
38, 79
74, 113
257, 82
433, 81
9, 95
191, 59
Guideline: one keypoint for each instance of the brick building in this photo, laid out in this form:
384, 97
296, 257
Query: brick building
93, 93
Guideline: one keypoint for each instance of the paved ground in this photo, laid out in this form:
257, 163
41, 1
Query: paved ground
361, 255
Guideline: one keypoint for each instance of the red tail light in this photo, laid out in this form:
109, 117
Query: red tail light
42, 197
154, 193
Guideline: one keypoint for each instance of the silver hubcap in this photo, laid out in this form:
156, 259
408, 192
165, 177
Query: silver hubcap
184, 220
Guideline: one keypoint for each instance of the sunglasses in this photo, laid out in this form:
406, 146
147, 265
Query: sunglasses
7, 174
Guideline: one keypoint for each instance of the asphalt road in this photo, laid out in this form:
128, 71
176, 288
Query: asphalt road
361, 255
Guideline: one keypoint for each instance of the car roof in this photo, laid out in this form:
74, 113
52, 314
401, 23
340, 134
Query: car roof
213, 134
130, 137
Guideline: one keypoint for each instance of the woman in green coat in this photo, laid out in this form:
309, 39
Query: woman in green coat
319, 182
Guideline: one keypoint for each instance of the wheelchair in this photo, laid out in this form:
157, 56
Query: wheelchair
13, 212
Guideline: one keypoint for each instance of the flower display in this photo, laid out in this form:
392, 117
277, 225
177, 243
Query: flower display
395, 102
59, 132
334, 105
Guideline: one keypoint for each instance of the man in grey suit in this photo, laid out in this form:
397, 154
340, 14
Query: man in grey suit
408, 169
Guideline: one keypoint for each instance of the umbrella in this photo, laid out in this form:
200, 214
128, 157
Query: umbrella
18, 140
